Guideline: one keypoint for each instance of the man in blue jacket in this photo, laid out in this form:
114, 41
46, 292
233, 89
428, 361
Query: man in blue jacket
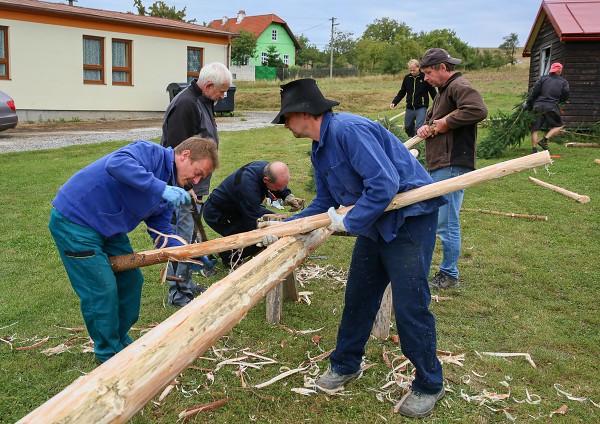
358, 162
236, 204
96, 208
417, 92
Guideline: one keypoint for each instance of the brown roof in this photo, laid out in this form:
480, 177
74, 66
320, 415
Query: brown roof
99, 15
253, 24
573, 20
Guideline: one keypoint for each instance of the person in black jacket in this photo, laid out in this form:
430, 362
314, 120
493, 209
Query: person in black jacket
237, 203
547, 92
417, 92
191, 113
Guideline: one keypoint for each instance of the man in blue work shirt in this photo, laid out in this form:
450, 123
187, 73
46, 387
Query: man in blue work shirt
96, 208
358, 162
236, 204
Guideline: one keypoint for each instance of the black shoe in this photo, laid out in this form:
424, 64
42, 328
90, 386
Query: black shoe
443, 281
543, 144
534, 150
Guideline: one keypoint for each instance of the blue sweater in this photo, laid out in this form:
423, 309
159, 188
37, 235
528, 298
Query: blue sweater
118, 191
358, 162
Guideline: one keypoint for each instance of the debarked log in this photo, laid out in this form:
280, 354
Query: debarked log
305, 225
117, 389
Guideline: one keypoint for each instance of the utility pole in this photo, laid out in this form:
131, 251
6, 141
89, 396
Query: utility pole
333, 24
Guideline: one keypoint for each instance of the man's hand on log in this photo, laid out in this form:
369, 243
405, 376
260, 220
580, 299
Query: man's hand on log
294, 203
337, 221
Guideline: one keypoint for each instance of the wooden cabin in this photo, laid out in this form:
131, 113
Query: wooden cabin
568, 31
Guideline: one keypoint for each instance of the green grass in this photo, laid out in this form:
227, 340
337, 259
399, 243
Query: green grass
527, 286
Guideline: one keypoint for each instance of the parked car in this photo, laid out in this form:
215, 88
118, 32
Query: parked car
8, 112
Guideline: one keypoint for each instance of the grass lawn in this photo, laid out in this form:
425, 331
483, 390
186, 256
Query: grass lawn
527, 286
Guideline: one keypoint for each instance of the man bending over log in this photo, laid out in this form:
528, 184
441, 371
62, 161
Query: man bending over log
96, 208
358, 162
236, 204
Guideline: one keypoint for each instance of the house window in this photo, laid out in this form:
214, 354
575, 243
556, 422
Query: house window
3, 52
274, 35
93, 60
121, 62
286, 59
194, 62
263, 58
545, 60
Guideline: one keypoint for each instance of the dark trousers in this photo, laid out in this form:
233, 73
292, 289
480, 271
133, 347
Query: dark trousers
404, 262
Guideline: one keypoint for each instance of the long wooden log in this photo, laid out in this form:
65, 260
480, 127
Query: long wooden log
305, 225
579, 197
116, 390
411, 142
512, 215
582, 144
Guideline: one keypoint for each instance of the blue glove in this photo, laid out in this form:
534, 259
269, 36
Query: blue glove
176, 196
337, 220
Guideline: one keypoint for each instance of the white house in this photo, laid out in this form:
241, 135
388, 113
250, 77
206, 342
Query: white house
60, 61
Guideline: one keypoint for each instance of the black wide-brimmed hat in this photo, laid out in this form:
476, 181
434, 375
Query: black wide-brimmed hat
302, 95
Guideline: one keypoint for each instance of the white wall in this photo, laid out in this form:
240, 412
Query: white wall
46, 70
243, 73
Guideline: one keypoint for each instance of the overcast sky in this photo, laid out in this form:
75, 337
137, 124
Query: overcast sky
479, 23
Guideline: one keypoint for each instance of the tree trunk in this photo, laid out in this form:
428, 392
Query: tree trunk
310, 223
120, 387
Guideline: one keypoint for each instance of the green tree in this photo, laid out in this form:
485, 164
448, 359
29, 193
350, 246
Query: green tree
344, 48
509, 46
309, 55
273, 59
369, 54
388, 30
160, 9
243, 48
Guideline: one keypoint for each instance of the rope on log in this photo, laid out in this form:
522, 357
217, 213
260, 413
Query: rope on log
310, 223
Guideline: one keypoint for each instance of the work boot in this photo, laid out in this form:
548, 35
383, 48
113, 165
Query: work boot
534, 150
442, 281
331, 382
543, 143
419, 405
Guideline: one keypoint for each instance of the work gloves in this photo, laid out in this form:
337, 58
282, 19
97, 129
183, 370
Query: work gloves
337, 221
294, 203
176, 196
266, 221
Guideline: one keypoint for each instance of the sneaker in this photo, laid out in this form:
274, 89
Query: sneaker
419, 405
198, 289
543, 143
443, 281
534, 150
331, 382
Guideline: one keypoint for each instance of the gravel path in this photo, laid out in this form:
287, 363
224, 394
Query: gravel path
22, 141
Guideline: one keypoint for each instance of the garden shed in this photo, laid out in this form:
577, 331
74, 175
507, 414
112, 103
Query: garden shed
568, 31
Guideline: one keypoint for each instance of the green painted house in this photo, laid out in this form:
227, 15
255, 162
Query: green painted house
269, 30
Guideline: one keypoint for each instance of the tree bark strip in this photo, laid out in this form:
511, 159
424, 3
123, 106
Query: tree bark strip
310, 223
120, 387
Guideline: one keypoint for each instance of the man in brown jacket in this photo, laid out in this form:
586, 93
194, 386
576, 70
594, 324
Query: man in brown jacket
450, 150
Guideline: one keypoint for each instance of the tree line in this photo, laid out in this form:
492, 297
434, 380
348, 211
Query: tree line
385, 46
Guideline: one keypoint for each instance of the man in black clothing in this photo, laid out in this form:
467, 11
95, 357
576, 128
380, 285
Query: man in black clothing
191, 113
547, 92
417, 92
236, 204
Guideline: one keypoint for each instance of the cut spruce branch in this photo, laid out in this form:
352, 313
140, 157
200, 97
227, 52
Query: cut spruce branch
510, 214
579, 197
305, 225
117, 389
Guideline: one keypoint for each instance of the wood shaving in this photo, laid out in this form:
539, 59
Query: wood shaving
561, 411
320, 357
304, 391
289, 330
438, 298
527, 356
310, 271
281, 376
33, 346
196, 409
560, 392
167, 389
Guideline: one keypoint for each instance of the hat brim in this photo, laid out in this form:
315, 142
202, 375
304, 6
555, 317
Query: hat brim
323, 106
452, 60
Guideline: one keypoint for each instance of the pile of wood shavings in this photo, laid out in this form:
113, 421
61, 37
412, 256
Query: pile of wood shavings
310, 271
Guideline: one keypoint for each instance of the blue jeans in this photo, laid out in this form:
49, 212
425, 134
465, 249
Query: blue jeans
412, 117
110, 303
404, 262
181, 293
448, 221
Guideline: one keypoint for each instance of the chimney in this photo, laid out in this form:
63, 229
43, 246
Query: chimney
241, 16
224, 20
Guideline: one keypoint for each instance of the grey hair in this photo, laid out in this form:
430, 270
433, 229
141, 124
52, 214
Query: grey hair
215, 72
